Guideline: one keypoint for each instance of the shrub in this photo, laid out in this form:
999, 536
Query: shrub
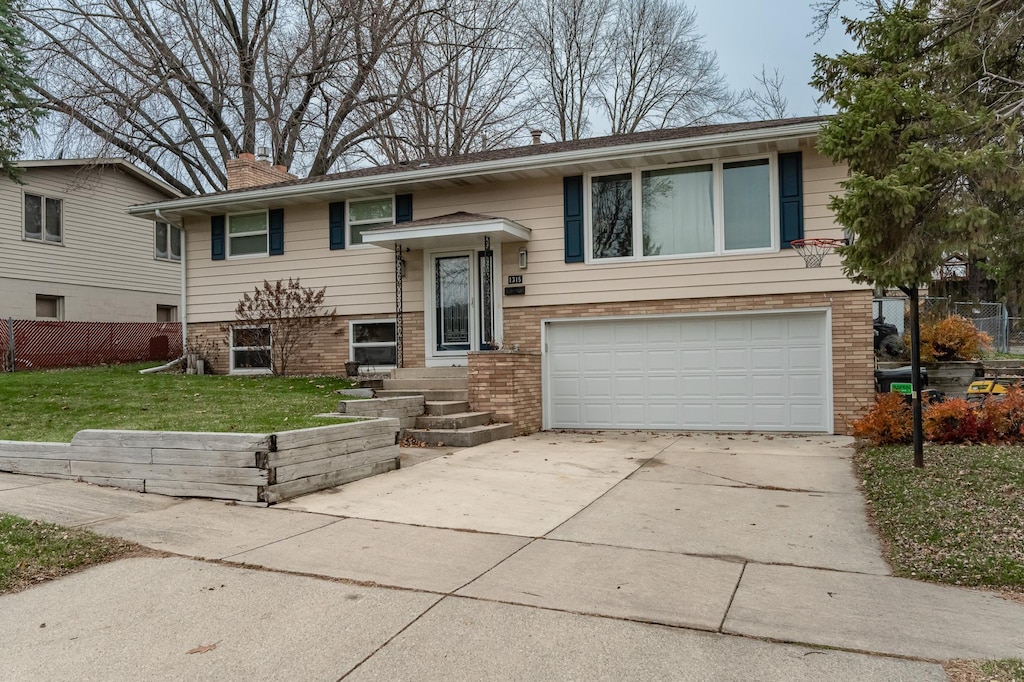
888, 422
951, 338
954, 421
1004, 416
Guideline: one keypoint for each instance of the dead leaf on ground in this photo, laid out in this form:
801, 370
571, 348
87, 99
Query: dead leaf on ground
202, 648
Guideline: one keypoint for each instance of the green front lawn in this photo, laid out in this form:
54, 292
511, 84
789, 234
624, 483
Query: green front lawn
32, 552
54, 405
959, 520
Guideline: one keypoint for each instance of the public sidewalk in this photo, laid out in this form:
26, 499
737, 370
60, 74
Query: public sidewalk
552, 556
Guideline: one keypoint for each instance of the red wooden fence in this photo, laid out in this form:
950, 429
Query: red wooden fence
40, 344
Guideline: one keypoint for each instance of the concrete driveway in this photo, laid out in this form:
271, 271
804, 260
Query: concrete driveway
553, 556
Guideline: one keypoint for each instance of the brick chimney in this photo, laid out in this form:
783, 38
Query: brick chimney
248, 171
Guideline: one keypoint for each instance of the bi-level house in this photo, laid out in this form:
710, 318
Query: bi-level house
634, 281
70, 251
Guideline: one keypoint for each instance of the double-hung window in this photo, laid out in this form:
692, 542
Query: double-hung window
367, 214
698, 209
250, 350
43, 218
247, 234
373, 343
167, 242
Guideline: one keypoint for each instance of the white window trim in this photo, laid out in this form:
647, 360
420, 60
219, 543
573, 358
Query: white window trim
349, 222
228, 235
42, 227
232, 348
169, 258
352, 345
718, 188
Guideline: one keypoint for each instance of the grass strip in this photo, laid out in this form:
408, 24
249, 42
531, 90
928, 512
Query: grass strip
957, 521
32, 552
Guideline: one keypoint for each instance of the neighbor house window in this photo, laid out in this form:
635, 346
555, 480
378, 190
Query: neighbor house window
49, 307
696, 209
367, 214
44, 218
247, 234
167, 242
167, 313
250, 350
373, 343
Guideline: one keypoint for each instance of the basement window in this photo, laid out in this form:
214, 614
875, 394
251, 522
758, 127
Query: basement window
251, 350
373, 343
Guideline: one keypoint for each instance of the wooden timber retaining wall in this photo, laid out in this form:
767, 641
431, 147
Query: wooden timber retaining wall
247, 467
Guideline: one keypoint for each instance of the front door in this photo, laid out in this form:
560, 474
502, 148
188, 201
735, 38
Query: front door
461, 309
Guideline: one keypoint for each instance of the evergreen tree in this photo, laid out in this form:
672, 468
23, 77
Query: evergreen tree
18, 110
934, 152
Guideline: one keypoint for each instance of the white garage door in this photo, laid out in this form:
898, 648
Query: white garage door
767, 372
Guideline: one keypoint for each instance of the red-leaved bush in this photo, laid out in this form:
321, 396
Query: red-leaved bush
1004, 416
954, 421
888, 422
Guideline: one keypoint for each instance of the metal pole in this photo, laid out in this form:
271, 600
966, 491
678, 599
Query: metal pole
399, 304
10, 341
915, 371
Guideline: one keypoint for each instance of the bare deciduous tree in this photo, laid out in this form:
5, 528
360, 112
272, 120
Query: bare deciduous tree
471, 72
637, 64
180, 86
658, 71
568, 38
767, 102
290, 312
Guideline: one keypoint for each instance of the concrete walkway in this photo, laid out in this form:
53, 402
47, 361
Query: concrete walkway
553, 556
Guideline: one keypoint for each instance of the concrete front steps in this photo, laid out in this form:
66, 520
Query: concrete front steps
431, 406
433, 383
451, 423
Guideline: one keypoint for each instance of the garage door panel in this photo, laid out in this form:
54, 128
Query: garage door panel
695, 359
628, 361
663, 360
628, 386
768, 386
768, 358
731, 359
733, 372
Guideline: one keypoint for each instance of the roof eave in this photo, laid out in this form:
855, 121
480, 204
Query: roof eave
416, 175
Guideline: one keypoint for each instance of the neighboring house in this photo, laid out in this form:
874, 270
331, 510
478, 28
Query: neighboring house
642, 281
70, 251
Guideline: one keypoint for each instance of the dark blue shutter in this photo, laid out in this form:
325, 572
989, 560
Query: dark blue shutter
336, 224
276, 231
403, 208
791, 198
573, 197
217, 237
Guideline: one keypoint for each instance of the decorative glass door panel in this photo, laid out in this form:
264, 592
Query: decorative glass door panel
453, 277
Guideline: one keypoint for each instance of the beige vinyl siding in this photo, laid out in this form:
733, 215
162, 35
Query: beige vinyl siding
82, 302
551, 281
102, 245
359, 280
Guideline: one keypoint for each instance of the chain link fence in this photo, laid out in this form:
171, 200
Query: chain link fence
989, 317
38, 344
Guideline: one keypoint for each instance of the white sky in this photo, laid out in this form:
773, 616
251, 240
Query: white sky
749, 33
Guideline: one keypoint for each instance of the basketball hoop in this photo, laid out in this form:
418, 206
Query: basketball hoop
813, 251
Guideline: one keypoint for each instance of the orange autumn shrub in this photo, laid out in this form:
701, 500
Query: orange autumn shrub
954, 421
888, 422
1004, 416
951, 338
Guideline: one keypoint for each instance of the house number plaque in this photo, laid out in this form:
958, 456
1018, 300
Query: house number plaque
515, 279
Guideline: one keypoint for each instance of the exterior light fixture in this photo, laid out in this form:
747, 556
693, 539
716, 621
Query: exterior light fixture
523, 258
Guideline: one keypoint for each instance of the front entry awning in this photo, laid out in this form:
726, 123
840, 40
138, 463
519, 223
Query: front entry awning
455, 230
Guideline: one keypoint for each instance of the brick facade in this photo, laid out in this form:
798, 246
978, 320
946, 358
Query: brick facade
852, 345
326, 352
507, 383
